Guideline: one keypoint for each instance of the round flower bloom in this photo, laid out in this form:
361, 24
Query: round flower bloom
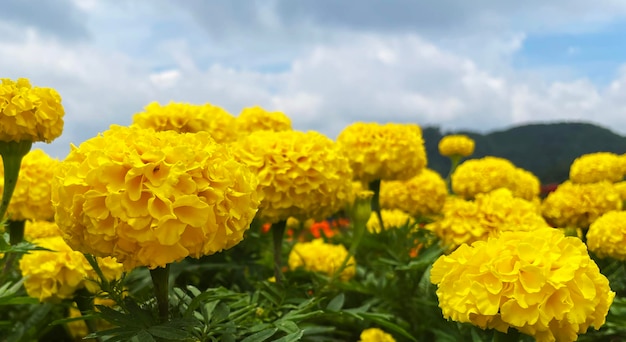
255, 118
303, 175
607, 235
375, 335
597, 167
578, 205
539, 282
456, 145
29, 113
188, 118
54, 275
526, 185
151, 198
383, 152
464, 222
422, 195
392, 218
477, 176
318, 256
40, 229
31, 198
621, 189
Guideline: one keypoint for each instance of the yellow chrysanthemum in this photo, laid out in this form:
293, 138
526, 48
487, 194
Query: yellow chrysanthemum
597, 167
392, 218
40, 229
31, 198
578, 205
464, 222
189, 118
29, 113
607, 235
478, 176
255, 118
526, 185
383, 152
539, 282
422, 195
375, 335
318, 256
456, 145
54, 275
303, 175
151, 198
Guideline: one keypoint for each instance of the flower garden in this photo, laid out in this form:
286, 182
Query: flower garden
192, 224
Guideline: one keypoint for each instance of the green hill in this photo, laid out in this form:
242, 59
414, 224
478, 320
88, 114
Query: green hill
547, 150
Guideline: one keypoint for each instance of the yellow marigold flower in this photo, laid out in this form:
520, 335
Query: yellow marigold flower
255, 118
607, 235
375, 335
392, 218
318, 256
464, 222
597, 167
31, 198
57, 274
40, 229
526, 185
151, 198
189, 118
383, 152
456, 145
578, 205
621, 189
539, 282
422, 195
303, 175
477, 176
29, 113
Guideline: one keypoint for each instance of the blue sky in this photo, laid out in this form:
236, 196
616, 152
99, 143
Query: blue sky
482, 65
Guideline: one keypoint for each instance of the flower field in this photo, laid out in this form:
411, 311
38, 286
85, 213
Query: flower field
192, 224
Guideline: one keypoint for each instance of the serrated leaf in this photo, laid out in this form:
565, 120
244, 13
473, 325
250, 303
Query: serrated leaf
336, 303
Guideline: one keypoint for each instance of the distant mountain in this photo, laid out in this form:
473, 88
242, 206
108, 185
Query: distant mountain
547, 150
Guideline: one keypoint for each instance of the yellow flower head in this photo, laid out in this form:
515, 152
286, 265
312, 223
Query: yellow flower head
456, 145
303, 175
40, 229
318, 256
188, 118
29, 113
539, 282
55, 275
597, 167
151, 198
255, 118
578, 205
375, 335
464, 222
526, 185
392, 218
383, 152
31, 198
421, 195
607, 235
478, 176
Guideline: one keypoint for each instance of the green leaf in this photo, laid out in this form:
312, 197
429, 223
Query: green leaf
261, 335
143, 336
168, 333
336, 303
385, 321
287, 326
291, 337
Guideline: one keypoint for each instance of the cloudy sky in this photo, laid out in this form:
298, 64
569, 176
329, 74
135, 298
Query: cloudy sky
480, 65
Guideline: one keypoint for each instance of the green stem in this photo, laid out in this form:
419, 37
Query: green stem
12, 153
16, 231
278, 231
375, 187
454, 163
160, 279
84, 302
104, 283
512, 335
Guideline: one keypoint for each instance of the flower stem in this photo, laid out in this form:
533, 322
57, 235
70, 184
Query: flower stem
454, 163
278, 230
84, 302
12, 153
375, 187
160, 279
16, 231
